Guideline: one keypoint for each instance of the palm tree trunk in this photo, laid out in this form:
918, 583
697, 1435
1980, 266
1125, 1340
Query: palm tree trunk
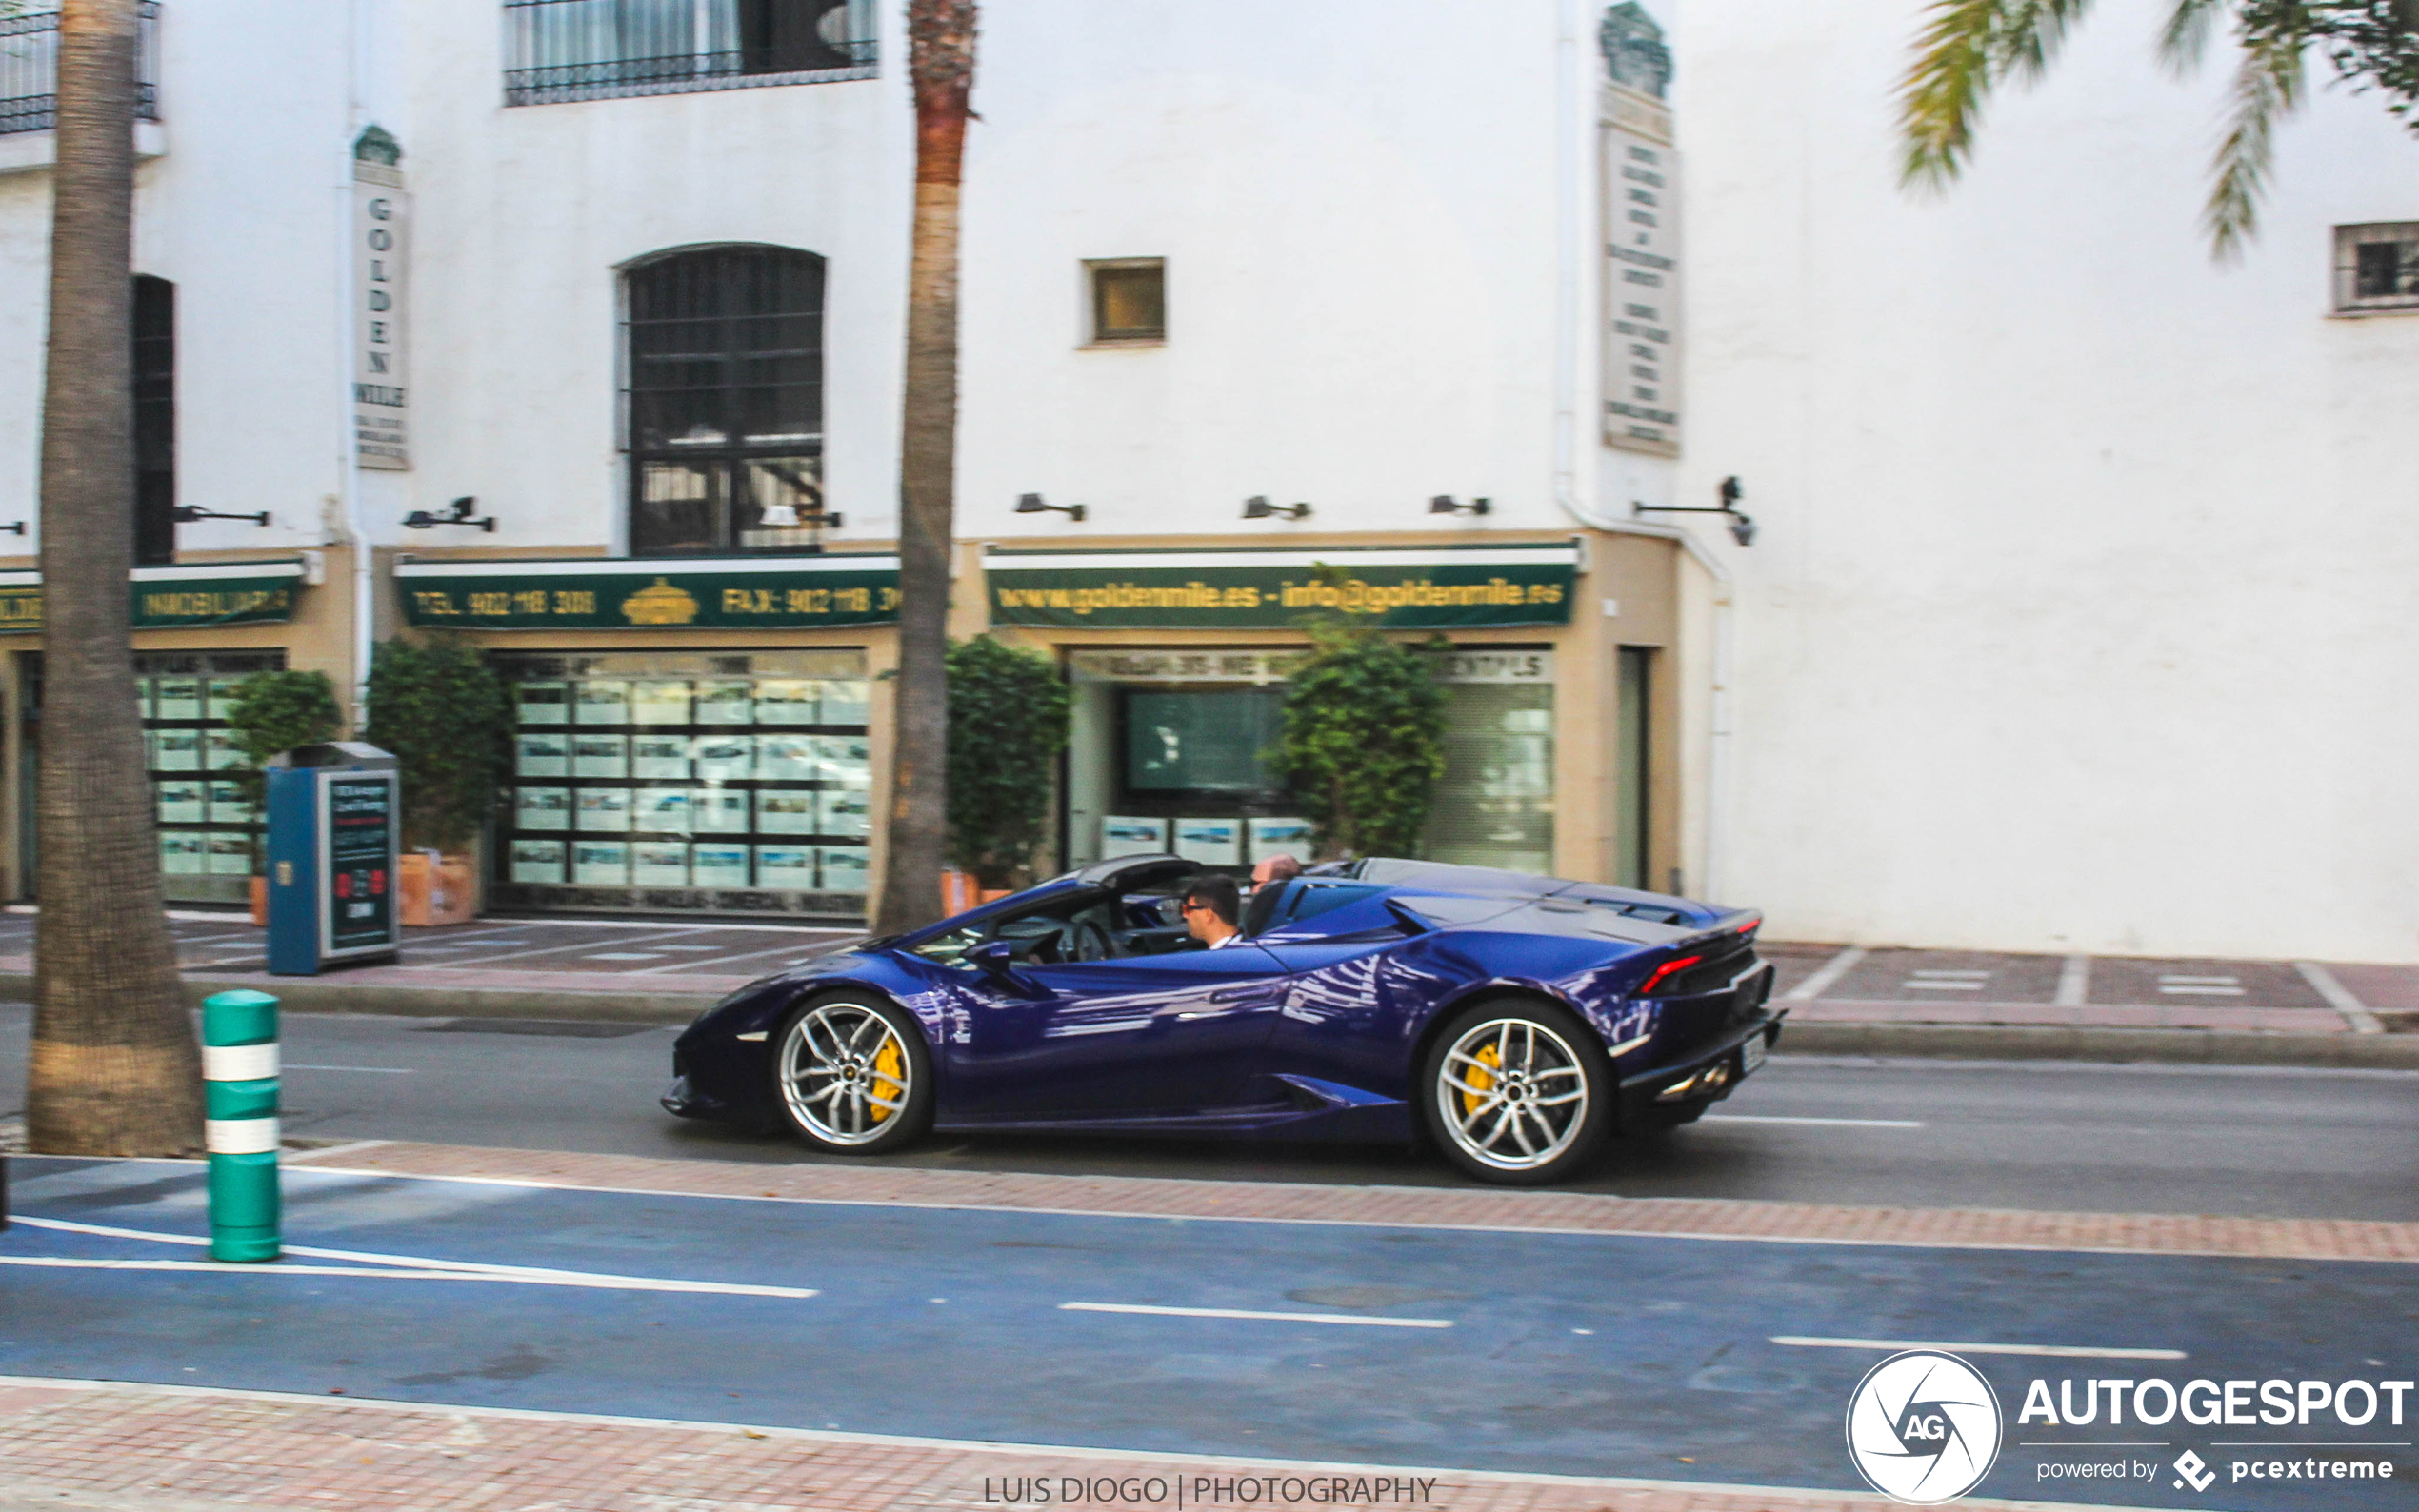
115, 1070
941, 64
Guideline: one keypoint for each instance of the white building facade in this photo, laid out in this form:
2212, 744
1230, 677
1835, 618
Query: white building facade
2012, 458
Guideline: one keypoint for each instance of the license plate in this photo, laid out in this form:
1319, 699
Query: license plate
1751, 1054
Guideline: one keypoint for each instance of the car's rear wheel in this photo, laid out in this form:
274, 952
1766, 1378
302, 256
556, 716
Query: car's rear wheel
851, 1074
1517, 1092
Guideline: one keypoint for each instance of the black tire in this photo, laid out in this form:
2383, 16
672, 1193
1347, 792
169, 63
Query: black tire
838, 1057
1528, 1141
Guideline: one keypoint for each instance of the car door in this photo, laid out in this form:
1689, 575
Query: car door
1144, 1035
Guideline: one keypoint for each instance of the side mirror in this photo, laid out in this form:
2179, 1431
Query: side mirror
995, 959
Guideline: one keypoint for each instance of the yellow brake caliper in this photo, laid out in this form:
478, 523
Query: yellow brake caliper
887, 1067
1482, 1082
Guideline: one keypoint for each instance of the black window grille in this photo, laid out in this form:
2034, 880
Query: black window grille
154, 421
588, 50
30, 68
725, 402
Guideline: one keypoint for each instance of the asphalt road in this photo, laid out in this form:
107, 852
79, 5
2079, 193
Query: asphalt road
2049, 1136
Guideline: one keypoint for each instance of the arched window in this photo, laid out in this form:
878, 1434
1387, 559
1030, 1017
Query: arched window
725, 402
154, 421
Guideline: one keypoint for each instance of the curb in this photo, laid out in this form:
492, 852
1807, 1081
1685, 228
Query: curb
2059, 1043
331, 995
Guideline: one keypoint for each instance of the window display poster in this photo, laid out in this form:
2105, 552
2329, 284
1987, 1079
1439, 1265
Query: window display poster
786, 701
220, 753
844, 868
786, 811
659, 756
179, 750
602, 701
600, 756
228, 805
659, 863
542, 756
718, 811
786, 758
600, 862
542, 808
181, 852
725, 758
604, 808
229, 856
727, 700
718, 865
847, 760
655, 702
180, 800
843, 701
1124, 835
545, 702
1281, 837
844, 811
179, 698
537, 861
663, 811
786, 866
1211, 842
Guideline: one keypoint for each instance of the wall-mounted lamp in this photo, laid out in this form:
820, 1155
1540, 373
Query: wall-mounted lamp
1442, 503
1031, 504
1742, 527
1258, 507
423, 520
14, 527
187, 514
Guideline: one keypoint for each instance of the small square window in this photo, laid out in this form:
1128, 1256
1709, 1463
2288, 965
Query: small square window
2377, 267
1130, 300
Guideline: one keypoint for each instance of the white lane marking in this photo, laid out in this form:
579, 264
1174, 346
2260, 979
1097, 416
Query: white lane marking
1841, 1123
1932, 972
623, 955
1265, 1316
378, 1071
1954, 986
1829, 973
410, 1265
2339, 998
2060, 1351
2074, 982
2207, 993
2227, 980
280, 1268
690, 947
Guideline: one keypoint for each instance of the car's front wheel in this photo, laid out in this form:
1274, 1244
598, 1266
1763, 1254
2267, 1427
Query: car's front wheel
1517, 1092
851, 1074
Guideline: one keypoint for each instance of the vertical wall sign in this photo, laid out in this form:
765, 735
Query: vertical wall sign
1641, 195
381, 233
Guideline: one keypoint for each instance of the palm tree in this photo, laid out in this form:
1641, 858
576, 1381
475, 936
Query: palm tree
115, 1070
941, 67
1968, 47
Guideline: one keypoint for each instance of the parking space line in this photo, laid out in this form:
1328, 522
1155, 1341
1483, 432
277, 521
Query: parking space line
1837, 1123
1825, 976
377, 1071
2059, 1351
2074, 982
2339, 998
1265, 1316
568, 949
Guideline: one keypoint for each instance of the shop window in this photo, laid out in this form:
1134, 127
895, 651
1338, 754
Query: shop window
560, 50
209, 831
675, 782
154, 421
2377, 267
1632, 730
1128, 300
725, 362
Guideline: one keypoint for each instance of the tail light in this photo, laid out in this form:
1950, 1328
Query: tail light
1668, 968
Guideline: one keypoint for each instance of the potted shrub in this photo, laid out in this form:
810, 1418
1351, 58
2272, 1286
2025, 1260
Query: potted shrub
445, 716
1008, 722
1362, 740
272, 712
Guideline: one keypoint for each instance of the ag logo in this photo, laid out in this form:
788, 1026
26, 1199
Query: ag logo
1924, 1427
2195, 1469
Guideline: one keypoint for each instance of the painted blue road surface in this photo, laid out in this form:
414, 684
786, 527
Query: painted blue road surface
1573, 1354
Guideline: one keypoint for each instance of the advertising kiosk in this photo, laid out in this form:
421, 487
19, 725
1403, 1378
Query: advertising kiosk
335, 813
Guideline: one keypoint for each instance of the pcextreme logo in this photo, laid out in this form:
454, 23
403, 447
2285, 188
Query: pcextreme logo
1924, 1427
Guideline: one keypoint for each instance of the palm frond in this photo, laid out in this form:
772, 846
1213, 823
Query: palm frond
2186, 36
1963, 49
2268, 87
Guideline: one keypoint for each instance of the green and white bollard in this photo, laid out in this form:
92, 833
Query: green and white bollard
239, 1071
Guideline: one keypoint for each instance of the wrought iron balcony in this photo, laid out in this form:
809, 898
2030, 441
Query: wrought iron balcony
29, 69
560, 50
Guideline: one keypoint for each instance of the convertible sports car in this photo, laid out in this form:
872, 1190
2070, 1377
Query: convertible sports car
1514, 1021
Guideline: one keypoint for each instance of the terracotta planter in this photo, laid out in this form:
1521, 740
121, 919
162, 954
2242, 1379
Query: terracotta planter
260, 902
435, 890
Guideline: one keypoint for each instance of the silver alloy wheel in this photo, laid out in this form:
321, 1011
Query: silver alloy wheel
1511, 1093
845, 1073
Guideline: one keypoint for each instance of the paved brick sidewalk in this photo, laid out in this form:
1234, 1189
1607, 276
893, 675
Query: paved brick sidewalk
1425, 1207
93, 1445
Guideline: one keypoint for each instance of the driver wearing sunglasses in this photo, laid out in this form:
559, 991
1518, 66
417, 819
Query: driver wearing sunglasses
1211, 906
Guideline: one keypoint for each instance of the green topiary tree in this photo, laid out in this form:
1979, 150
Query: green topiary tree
1363, 739
445, 716
1008, 722
276, 711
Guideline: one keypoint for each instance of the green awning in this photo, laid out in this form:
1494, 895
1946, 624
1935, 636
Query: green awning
698, 593
1397, 587
177, 597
